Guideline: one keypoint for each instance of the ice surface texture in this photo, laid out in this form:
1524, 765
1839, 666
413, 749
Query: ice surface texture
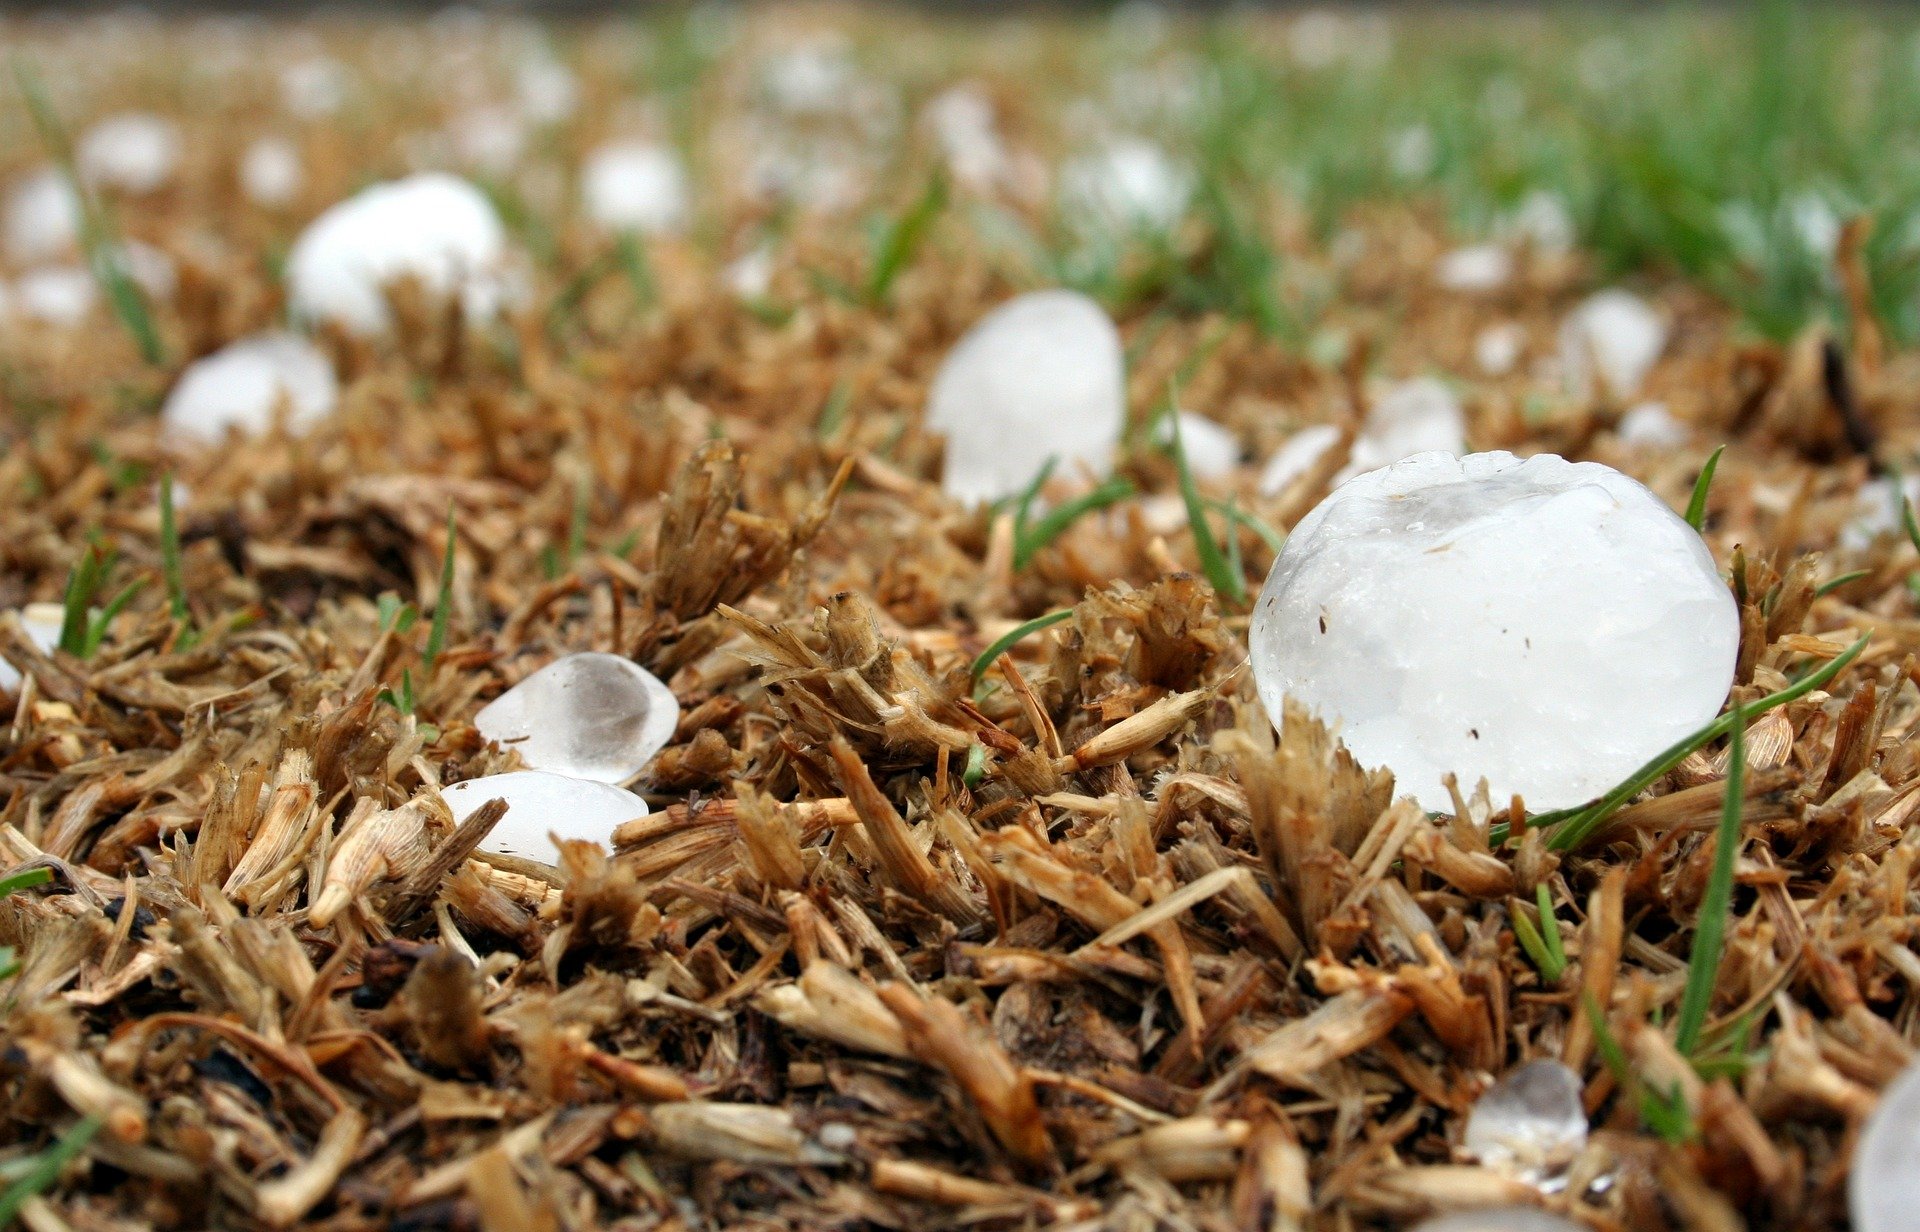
434, 227
590, 716
1039, 377
540, 804
1549, 625
1883, 1192
241, 385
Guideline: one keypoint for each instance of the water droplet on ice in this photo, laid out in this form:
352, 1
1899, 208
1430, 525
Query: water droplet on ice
1531, 1122
1559, 609
539, 803
589, 716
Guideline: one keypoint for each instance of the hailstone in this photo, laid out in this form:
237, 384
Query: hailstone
1130, 183
43, 217
241, 385
540, 804
1296, 457
1500, 1219
636, 186
1609, 344
1530, 1123
1211, 450
1547, 625
42, 622
1886, 1162
1409, 417
1474, 269
1040, 377
588, 716
137, 152
270, 171
60, 295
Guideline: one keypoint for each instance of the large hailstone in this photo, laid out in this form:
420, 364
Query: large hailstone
1545, 624
540, 803
1886, 1162
244, 383
137, 152
588, 716
1040, 377
434, 227
1609, 344
636, 186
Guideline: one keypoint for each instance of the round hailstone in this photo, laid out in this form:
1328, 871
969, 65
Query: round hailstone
243, 384
1295, 458
1042, 376
1410, 417
1130, 183
636, 186
434, 227
1612, 339
137, 152
590, 716
961, 118
59, 295
540, 803
1886, 1162
1500, 1219
43, 217
1545, 624
150, 269
1475, 269
1497, 348
1651, 425
42, 623
270, 172
1211, 450
1530, 1123
750, 275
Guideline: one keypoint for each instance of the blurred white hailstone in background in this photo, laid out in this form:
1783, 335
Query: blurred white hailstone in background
636, 186
242, 386
270, 171
1129, 183
136, 152
43, 217
1609, 343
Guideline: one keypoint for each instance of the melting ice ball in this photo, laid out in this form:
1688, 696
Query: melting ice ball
1041, 376
1886, 1163
1474, 269
1531, 1122
241, 385
635, 186
591, 716
1610, 342
1549, 625
540, 803
42, 622
434, 227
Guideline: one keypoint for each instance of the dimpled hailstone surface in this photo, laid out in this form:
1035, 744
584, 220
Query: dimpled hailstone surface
1500, 1219
1609, 344
1531, 1122
1886, 1164
539, 804
591, 716
1549, 625
242, 384
635, 186
1041, 376
434, 227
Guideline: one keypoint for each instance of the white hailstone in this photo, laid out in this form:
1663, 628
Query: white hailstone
1129, 183
243, 385
1500, 1219
43, 217
1164, 513
1296, 457
42, 623
1650, 425
137, 152
588, 716
1421, 415
961, 118
1543, 220
1531, 1123
1610, 342
1877, 511
547, 90
541, 804
490, 138
314, 87
1886, 1161
1212, 451
636, 186
1547, 625
750, 275
1475, 268
1412, 152
1816, 223
270, 171
812, 77
55, 294
1040, 377
1497, 347
434, 227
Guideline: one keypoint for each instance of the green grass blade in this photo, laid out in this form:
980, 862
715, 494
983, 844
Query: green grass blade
1550, 928
1697, 507
1703, 964
1213, 562
1231, 510
1028, 540
1006, 640
170, 557
894, 253
1023, 506
443, 604
100, 622
577, 524
83, 582
1536, 948
1832, 584
24, 879
46, 1167
976, 765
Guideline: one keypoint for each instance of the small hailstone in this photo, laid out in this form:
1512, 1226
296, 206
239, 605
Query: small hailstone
811, 77
489, 138
1042, 376
1545, 624
1613, 335
1412, 152
539, 802
1500, 1219
1886, 1161
1816, 223
43, 217
241, 386
137, 152
1530, 1123
589, 716
1474, 269
1409, 417
750, 275
1128, 183
42, 623
1296, 457
636, 186
314, 87
547, 90
434, 227
1211, 450
55, 294
1497, 348
1650, 425
1877, 511
270, 171
150, 269
1544, 221
961, 118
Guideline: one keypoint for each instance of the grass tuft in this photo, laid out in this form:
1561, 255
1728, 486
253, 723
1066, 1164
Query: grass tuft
1013, 636
1703, 964
1219, 570
1697, 507
442, 604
